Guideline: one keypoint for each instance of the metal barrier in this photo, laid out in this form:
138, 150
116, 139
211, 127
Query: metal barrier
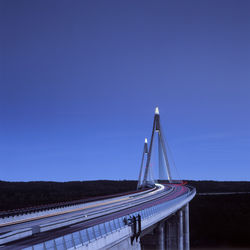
88, 235
6, 217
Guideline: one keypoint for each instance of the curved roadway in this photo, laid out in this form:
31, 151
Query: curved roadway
93, 213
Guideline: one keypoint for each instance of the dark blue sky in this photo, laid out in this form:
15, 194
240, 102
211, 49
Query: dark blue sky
79, 81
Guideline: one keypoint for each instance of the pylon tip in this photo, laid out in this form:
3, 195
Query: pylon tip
157, 111
146, 140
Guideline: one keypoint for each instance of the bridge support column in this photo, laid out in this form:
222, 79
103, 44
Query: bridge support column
180, 230
171, 233
166, 235
161, 235
186, 228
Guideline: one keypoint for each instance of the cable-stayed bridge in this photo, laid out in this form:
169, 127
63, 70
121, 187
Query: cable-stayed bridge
155, 215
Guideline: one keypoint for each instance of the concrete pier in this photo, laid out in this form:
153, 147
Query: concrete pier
167, 230
161, 236
172, 233
180, 230
186, 228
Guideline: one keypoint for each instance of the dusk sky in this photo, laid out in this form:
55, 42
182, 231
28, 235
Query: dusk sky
79, 82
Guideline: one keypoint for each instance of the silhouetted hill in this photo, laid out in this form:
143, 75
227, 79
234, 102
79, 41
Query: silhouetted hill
218, 221
220, 186
26, 194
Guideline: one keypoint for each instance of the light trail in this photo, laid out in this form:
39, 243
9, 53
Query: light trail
160, 188
60, 213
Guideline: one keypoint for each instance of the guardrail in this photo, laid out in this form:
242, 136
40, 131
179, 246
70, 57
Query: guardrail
41, 208
6, 218
8, 237
15, 235
87, 236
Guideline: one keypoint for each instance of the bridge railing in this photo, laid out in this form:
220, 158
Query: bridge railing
86, 236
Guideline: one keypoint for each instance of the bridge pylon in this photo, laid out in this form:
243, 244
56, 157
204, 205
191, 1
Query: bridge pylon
144, 155
162, 153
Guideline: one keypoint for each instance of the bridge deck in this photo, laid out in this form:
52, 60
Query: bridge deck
96, 213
